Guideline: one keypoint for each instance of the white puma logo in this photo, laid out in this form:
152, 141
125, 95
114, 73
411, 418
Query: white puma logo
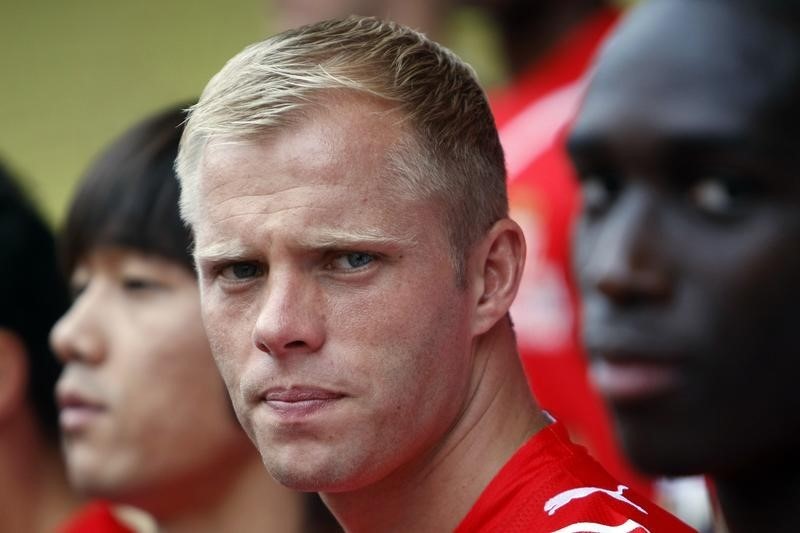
591, 527
560, 500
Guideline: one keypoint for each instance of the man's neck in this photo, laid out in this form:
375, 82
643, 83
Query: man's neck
767, 500
436, 491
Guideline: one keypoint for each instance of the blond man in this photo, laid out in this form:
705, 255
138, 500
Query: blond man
346, 188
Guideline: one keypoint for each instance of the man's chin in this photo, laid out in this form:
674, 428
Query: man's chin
304, 479
306, 472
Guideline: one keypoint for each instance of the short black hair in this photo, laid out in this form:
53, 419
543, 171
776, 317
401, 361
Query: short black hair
129, 196
33, 294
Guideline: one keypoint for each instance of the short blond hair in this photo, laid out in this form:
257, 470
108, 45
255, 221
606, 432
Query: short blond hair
452, 154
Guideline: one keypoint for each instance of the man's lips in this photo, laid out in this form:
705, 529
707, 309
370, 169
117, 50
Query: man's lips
77, 411
626, 379
299, 401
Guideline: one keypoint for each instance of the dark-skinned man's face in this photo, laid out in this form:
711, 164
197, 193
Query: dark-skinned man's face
688, 247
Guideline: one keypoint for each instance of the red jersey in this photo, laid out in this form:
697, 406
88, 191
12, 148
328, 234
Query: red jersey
96, 517
532, 115
553, 486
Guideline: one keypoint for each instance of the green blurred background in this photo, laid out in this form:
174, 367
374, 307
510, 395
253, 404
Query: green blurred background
77, 73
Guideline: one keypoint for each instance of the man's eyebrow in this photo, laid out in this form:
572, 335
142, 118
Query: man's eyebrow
219, 250
337, 238
589, 145
701, 141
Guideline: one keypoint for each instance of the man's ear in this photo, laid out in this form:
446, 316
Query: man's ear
497, 261
13, 373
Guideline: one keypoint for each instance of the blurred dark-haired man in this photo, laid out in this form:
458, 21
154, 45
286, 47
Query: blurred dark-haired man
34, 494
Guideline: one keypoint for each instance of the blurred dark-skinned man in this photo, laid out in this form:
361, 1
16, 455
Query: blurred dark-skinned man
687, 249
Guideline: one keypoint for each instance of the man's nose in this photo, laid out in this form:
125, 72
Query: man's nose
621, 253
78, 335
291, 319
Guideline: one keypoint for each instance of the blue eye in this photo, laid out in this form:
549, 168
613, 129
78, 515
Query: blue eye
352, 260
241, 271
358, 259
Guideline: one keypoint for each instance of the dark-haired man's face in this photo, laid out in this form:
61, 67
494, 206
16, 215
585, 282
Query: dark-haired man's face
688, 248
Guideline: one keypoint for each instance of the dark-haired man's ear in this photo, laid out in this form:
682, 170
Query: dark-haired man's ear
497, 262
13, 374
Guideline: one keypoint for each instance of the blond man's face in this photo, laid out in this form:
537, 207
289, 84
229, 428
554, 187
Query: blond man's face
330, 302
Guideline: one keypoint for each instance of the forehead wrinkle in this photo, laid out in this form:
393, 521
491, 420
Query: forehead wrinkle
263, 211
328, 183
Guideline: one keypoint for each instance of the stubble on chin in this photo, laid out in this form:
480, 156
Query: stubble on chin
321, 470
